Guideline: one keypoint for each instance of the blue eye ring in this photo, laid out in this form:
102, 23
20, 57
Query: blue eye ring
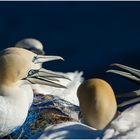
34, 58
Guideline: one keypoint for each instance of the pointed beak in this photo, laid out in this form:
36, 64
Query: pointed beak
50, 74
47, 74
129, 102
43, 76
127, 72
131, 74
44, 58
43, 81
46, 77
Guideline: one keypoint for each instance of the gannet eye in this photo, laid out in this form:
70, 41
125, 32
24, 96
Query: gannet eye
34, 58
31, 72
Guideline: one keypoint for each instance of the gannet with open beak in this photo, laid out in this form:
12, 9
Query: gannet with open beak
97, 103
18, 67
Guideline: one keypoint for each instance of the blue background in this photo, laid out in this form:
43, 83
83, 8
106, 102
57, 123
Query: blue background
89, 35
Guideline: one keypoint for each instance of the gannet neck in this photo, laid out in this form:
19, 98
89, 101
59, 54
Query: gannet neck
14, 105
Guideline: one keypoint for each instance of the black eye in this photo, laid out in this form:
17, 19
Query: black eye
34, 58
30, 73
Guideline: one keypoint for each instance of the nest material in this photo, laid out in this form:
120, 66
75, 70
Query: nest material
46, 110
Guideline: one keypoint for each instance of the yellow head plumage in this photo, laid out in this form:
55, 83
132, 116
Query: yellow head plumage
18, 63
15, 63
97, 102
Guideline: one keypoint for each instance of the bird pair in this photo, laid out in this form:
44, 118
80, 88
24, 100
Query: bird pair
19, 67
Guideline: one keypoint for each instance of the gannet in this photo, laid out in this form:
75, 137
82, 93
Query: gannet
69, 93
19, 67
131, 74
31, 44
97, 103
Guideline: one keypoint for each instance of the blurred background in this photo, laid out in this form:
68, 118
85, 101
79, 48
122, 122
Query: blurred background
89, 35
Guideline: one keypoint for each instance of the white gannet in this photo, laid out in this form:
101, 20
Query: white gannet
69, 93
131, 74
18, 67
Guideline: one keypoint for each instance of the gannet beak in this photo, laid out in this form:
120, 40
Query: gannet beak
43, 58
47, 74
43, 76
44, 81
129, 73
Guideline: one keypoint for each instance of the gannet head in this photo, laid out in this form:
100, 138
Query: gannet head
97, 102
21, 64
31, 44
